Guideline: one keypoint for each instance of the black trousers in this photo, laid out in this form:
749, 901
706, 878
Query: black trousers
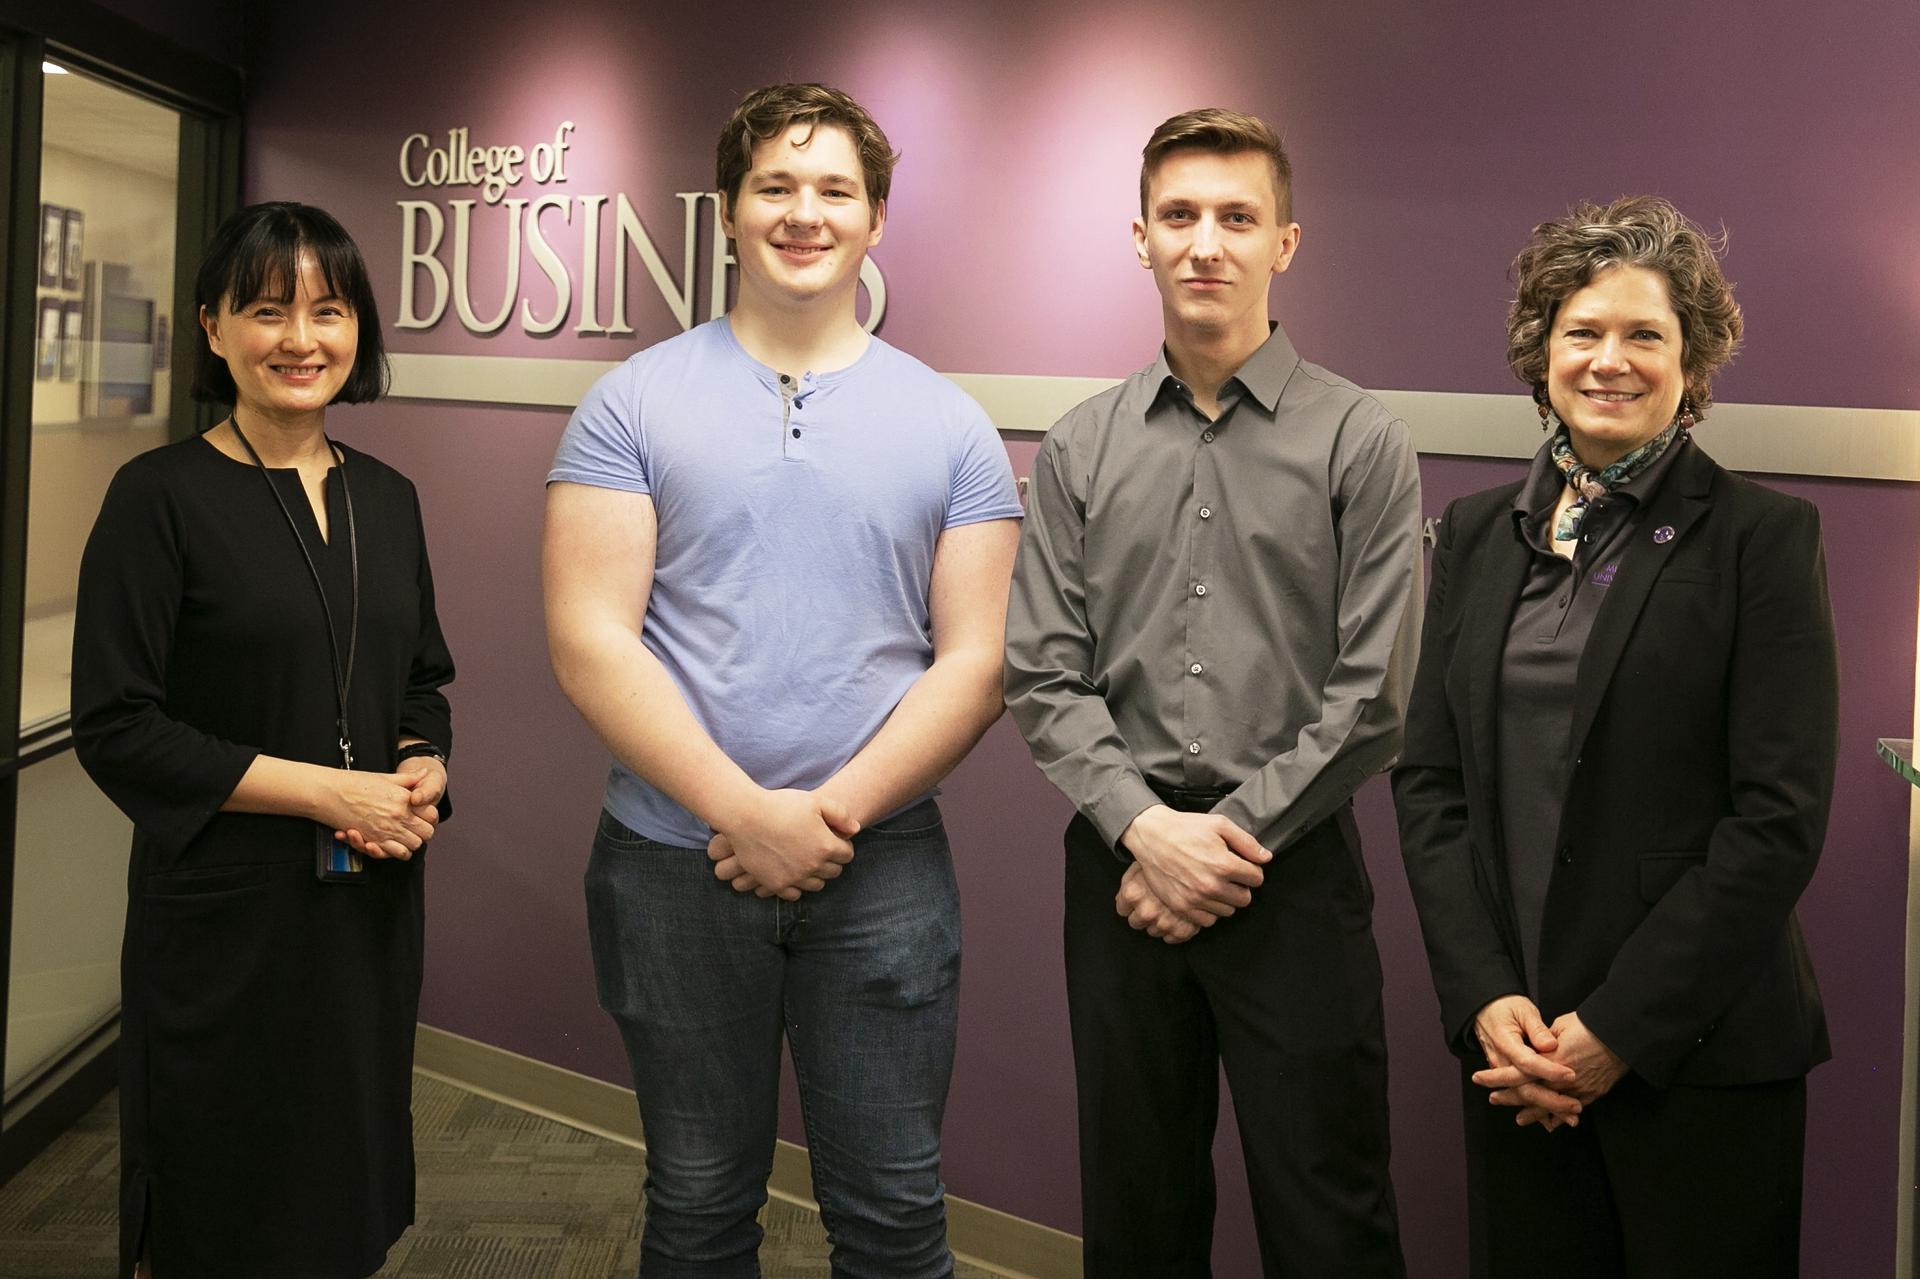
1654, 1183
1286, 995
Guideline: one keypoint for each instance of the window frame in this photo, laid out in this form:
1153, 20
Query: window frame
91, 39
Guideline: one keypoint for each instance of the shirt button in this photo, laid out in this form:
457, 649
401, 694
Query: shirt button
1200, 588
1195, 669
1206, 437
786, 379
1193, 748
1206, 512
796, 432
1566, 855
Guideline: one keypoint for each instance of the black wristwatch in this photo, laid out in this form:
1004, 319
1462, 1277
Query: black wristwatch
421, 750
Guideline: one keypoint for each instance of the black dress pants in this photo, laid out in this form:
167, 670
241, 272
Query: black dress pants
1655, 1183
1286, 995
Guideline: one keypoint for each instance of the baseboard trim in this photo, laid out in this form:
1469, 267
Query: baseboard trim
56, 1100
983, 1236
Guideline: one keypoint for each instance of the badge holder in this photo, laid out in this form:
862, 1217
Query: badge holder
334, 860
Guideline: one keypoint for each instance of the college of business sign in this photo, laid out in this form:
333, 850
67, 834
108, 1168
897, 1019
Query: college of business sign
543, 300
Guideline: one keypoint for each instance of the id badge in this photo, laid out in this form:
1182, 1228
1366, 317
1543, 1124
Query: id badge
334, 860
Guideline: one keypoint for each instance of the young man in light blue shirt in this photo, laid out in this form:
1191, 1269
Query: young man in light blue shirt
776, 558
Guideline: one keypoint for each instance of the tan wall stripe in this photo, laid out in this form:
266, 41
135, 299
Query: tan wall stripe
1776, 439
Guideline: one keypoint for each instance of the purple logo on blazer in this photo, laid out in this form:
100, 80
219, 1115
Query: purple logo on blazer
1603, 576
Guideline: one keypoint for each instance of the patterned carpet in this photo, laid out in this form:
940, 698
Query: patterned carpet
502, 1195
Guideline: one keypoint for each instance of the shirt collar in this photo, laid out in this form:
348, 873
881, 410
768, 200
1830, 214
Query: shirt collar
1540, 492
1264, 375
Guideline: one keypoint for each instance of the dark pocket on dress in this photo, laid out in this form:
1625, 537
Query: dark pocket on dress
1659, 872
202, 880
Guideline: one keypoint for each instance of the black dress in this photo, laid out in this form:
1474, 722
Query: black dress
268, 1018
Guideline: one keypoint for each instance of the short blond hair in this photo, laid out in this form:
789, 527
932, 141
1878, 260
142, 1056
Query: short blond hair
1224, 131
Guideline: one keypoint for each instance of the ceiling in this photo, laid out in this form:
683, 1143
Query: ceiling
110, 125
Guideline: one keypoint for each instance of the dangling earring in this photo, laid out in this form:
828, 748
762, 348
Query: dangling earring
1549, 421
1686, 413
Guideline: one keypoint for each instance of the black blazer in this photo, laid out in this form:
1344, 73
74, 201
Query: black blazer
1702, 757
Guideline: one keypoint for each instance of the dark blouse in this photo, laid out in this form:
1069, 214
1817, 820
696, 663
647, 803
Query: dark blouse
268, 1018
1545, 639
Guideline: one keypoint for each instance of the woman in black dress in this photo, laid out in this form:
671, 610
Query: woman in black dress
256, 683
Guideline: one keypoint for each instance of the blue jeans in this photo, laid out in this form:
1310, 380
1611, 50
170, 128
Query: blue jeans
863, 980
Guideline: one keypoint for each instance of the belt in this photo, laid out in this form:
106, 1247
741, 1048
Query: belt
1190, 799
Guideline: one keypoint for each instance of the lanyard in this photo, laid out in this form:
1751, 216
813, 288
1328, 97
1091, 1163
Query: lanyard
342, 676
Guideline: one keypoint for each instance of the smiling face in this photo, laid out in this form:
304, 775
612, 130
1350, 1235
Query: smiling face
1213, 238
288, 359
1614, 373
802, 222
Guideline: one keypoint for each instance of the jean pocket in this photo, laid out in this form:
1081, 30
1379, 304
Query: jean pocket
917, 822
616, 834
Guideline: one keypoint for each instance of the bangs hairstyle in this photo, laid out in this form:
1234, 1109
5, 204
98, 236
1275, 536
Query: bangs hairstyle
1635, 230
1226, 132
770, 112
255, 255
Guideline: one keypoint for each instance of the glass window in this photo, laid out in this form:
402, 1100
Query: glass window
69, 908
109, 186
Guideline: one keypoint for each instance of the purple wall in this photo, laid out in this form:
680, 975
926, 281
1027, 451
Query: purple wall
1425, 143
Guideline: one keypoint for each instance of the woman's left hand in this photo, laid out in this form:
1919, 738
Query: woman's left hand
427, 777
432, 775
1596, 1069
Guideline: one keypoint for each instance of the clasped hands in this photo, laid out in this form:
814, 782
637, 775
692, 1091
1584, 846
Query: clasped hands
386, 814
1550, 1074
786, 843
1190, 870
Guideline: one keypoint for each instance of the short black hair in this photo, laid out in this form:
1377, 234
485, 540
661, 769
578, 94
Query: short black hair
256, 254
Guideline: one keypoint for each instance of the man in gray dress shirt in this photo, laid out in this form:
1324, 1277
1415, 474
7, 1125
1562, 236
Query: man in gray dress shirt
1212, 629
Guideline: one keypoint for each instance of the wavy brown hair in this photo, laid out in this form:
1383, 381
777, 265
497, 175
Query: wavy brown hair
770, 112
1636, 230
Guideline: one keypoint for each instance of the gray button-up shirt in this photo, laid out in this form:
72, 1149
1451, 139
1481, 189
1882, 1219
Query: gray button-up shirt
1225, 603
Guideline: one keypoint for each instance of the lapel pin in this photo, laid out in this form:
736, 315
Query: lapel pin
1663, 534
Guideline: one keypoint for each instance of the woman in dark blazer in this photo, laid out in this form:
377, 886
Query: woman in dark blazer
1619, 760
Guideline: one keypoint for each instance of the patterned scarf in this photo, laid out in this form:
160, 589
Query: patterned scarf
1588, 484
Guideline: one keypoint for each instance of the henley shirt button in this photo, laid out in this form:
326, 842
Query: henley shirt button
1206, 437
796, 432
1193, 748
1206, 512
786, 379
1200, 588
1195, 669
